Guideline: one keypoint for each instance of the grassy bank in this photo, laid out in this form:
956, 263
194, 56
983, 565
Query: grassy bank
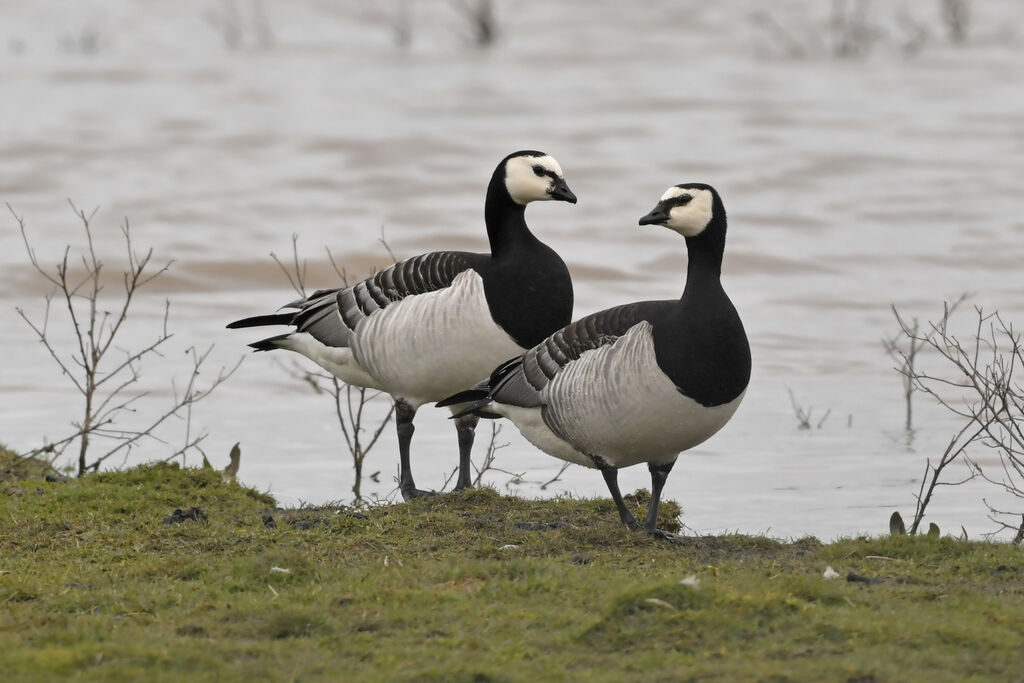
100, 579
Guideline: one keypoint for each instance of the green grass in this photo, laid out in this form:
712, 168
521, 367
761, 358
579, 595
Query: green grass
94, 585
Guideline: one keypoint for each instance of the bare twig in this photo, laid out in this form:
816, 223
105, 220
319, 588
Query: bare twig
400, 21
492, 448
228, 22
916, 33
855, 28
803, 416
557, 477
297, 275
903, 348
447, 480
384, 242
349, 409
99, 371
852, 33
349, 401
848, 34
341, 272
234, 22
483, 23
982, 392
956, 16
932, 473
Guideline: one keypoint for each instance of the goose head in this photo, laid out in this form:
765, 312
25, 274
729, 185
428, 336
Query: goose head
532, 176
688, 209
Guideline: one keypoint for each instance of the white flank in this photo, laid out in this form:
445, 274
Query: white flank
616, 402
429, 346
531, 425
337, 360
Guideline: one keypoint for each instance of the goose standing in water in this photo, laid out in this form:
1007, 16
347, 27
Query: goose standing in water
434, 324
635, 383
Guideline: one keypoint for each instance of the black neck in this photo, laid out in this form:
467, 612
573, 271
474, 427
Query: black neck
704, 325
704, 256
527, 285
505, 219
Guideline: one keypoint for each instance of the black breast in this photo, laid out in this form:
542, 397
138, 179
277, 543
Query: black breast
702, 347
529, 293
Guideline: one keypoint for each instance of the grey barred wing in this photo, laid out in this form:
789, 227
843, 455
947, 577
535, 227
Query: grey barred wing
521, 381
417, 275
330, 316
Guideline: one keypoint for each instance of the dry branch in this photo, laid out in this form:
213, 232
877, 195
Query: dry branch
803, 416
979, 388
349, 402
903, 348
489, 457
104, 374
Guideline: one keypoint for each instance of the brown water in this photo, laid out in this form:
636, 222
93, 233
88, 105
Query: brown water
850, 185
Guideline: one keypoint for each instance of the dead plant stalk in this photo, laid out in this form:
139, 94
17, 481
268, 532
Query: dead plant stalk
349, 401
982, 392
100, 370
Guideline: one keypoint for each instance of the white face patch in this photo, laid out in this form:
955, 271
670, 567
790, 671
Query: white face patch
523, 183
691, 218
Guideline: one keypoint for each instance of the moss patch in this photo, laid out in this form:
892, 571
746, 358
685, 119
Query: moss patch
470, 586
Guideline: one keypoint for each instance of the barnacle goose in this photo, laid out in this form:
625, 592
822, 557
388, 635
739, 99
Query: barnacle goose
436, 323
635, 383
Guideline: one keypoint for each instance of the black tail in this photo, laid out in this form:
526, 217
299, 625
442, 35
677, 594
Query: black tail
475, 394
478, 398
261, 320
479, 409
270, 343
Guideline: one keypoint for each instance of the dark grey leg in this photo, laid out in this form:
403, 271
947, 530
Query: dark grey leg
611, 478
659, 473
404, 414
466, 425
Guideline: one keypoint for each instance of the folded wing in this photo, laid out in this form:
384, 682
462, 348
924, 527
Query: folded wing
521, 380
331, 315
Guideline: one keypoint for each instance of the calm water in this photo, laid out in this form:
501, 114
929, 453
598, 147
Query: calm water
850, 185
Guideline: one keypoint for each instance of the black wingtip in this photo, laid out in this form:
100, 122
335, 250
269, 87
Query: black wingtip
270, 343
262, 320
477, 409
466, 396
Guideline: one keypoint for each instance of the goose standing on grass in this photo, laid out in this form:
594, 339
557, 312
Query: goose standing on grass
635, 383
436, 323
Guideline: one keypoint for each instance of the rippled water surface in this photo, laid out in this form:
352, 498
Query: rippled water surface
851, 184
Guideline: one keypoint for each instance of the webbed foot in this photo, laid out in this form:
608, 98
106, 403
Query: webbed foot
411, 493
664, 535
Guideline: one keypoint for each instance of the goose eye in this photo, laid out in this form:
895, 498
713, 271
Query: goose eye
683, 199
538, 169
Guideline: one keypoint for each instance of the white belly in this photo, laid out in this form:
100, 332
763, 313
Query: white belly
531, 425
430, 346
616, 403
336, 360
